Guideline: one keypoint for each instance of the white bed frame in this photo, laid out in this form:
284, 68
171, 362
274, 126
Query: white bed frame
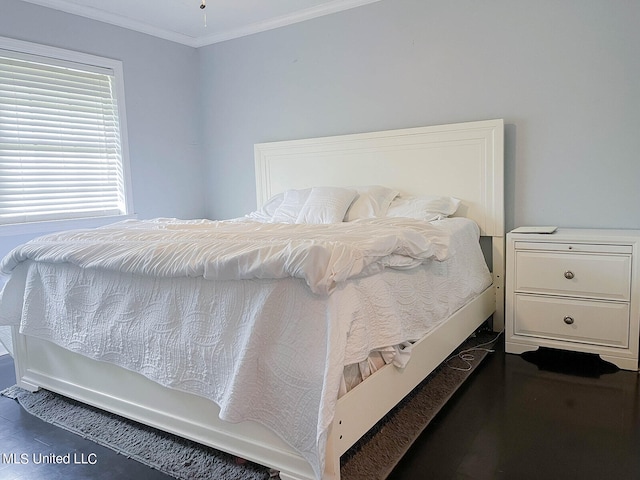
463, 160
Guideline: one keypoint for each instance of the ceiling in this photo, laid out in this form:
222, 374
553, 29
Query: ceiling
185, 22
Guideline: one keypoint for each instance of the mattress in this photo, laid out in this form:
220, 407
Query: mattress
256, 347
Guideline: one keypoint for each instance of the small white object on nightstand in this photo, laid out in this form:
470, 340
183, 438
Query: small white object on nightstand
574, 289
537, 229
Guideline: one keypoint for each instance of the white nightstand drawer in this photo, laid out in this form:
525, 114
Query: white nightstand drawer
574, 247
601, 323
576, 274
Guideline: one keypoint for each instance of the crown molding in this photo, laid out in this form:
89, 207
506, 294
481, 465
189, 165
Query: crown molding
114, 19
326, 8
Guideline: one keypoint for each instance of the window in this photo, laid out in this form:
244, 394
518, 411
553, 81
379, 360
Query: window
63, 149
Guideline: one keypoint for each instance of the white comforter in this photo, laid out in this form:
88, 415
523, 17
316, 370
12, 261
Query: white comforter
256, 348
323, 255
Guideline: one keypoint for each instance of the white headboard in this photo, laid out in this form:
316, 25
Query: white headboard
463, 160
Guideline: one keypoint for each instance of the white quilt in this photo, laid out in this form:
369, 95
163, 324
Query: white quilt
263, 350
322, 255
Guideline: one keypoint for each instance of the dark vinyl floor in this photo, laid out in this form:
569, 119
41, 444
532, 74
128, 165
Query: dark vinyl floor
543, 415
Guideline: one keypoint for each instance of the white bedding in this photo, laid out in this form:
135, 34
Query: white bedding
323, 255
256, 347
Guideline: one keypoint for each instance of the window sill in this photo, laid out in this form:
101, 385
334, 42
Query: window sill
42, 228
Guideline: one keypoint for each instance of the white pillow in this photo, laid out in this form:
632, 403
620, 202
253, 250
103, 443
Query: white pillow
292, 203
265, 213
424, 207
372, 201
326, 205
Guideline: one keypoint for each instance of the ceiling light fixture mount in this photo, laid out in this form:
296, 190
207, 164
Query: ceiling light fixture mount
203, 5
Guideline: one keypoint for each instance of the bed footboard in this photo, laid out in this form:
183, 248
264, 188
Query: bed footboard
41, 364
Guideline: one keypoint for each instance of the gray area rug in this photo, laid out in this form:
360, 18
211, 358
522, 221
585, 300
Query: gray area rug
373, 457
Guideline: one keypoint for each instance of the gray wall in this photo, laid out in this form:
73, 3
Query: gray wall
565, 76
162, 100
562, 73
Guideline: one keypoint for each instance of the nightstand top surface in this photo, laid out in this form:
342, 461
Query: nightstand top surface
580, 234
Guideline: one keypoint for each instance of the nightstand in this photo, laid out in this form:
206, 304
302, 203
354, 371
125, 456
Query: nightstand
574, 289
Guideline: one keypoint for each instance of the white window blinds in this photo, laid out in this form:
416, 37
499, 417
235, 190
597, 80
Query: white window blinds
60, 145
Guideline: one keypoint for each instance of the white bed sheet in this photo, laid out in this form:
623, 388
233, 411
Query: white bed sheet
257, 347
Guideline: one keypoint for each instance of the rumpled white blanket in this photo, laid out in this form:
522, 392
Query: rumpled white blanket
255, 358
323, 255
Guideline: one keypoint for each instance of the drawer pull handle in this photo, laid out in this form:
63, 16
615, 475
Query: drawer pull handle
568, 320
568, 275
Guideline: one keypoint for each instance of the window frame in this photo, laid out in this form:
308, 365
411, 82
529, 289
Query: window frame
91, 62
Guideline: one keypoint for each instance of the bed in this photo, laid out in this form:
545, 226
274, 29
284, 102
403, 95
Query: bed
464, 161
